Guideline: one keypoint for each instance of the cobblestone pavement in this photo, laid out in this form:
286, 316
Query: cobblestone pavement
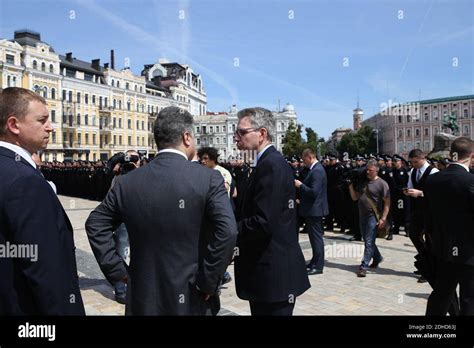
390, 290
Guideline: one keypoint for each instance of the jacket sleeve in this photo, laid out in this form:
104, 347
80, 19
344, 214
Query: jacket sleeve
100, 227
221, 245
32, 214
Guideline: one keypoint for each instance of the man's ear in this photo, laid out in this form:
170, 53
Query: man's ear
187, 139
12, 125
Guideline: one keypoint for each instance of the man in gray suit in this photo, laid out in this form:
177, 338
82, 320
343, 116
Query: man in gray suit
180, 223
313, 206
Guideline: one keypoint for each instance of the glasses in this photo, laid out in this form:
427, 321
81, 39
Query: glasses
243, 131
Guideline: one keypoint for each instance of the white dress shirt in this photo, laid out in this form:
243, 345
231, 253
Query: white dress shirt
422, 170
173, 151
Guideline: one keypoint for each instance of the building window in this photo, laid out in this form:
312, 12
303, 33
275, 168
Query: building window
88, 77
112, 82
64, 95
10, 59
129, 124
86, 98
120, 123
426, 145
114, 103
78, 119
417, 132
427, 132
400, 133
100, 101
127, 85
408, 132
465, 114
211, 129
86, 119
143, 125
53, 93
35, 64
87, 139
197, 129
435, 115
106, 101
138, 125
45, 92
198, 141
93, 99
129, 140
70, 73
53, 116
79, 139
94, 140
466, 130
129, 106
51, 68
120, 104
408, 118
78, 98
120, 140
53, 137
70, 96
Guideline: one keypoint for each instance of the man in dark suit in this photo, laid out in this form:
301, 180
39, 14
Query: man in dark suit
181, 227
449, 228
269, 264
313, 206
42, 280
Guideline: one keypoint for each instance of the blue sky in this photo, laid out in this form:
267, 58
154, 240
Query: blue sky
286, 49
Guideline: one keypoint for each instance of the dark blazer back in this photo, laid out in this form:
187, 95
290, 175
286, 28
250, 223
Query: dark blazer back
449, 219
172, 209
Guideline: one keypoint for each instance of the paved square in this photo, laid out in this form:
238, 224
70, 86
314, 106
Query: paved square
390, 290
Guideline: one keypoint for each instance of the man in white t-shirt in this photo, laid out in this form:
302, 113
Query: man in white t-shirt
208, 157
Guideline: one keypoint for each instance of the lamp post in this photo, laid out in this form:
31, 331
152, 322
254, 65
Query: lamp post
377, 137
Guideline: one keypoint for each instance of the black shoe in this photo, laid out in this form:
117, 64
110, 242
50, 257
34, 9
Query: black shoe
417, 272
389, 237
375, 264
120, 292
362, 272
422, 280
227, 278
359, 239
313, 271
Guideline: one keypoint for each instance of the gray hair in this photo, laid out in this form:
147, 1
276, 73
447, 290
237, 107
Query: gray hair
260, 118
373, 163
170, 124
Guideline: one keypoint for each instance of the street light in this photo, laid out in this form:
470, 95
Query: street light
377, 135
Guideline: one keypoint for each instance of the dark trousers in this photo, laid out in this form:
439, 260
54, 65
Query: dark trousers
314, 228
416, 232
448, 276
272, 308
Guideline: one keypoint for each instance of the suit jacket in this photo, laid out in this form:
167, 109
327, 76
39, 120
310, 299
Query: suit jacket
182, 234
314, 201
31, 214
270, 266
449, 218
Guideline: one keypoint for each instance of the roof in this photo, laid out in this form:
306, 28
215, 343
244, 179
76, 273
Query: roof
80, 65
445, 100
27, 37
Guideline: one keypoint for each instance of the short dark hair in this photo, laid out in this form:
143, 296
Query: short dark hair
461, 148
416, 153
308, 152
210, 151
170, 124
15, 101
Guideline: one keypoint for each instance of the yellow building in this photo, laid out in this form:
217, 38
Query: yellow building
95, 109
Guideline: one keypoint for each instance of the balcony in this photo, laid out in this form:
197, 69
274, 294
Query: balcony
106, 128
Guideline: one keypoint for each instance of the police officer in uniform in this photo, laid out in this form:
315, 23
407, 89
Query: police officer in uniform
400, 202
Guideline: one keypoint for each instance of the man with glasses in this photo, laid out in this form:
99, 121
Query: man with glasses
270, 270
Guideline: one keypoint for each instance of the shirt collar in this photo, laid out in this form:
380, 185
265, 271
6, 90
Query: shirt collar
423, 167
173, 151
20, 151
461, 164
312, 166
261, 153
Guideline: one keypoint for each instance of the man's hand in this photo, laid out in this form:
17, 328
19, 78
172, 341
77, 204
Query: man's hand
381, 223
414, 193
298, 183
298, 201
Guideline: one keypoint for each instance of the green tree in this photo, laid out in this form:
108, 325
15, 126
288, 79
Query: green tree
363, 141
293, 142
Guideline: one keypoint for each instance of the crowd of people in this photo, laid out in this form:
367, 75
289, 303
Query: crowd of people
167, 229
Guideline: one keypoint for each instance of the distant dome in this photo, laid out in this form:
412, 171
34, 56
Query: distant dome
288, 107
